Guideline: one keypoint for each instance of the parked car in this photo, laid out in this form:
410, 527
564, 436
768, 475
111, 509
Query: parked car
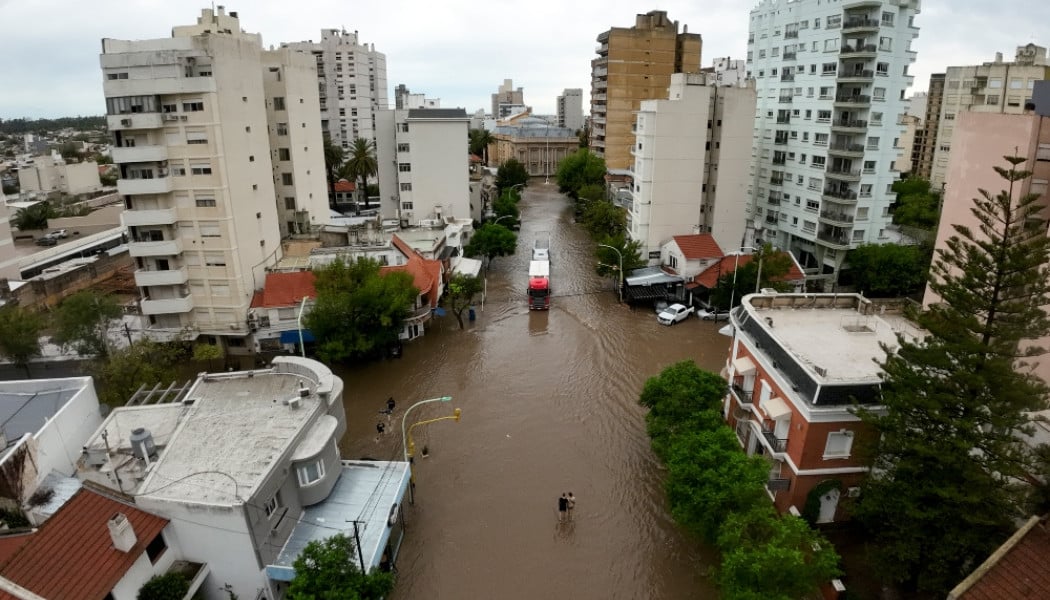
674, 313
59, 233
46, 240
713, 315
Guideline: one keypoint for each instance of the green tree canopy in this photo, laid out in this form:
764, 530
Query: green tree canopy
360, 165
33, 217
580, 169
506, 205
775, 264
207, 352
461, 292
329, 570
603, 218
82, 322
170, 586
124, 371
592, 192
479, 140
917, 206
20, 330
492, 240
511, 173
889, 270
609, 260
947, 459
359, 311
333, 162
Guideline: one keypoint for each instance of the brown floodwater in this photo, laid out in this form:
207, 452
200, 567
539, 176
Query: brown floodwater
550, 405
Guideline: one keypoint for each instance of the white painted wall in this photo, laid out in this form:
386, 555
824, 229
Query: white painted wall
59, 441
142, 570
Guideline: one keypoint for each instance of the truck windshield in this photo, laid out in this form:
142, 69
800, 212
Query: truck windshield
539, 293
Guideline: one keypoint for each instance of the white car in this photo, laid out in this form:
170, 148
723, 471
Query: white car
713, 315
674, 313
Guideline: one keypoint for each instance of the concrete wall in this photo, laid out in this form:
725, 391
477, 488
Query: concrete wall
386, 157
440, 173
142, 570
48, 292
729, 165
8, 258
61, 438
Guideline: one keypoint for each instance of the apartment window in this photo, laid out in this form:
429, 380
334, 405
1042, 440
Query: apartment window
799, 180
886, 44
813, 67
995, 83
169, 108
113, 76
404, 167
858, 235
210, 230
820, 139
201, 169
286, 179
406, 206
805, 136
214, 259
825, 93
949, 116
156, 548
284, 154
831, 45
204, 201
178, 171
812, 205
272, 505
402, 147
816, 23
809, 94
278, 103
865, 190
992, 99
823, 116
815, 183
403, 128
774, 52
873, 143
887, 18
809, 226
196, 106
882, 69
310, 472
406, 187
878, 94
828, 68
761, 53
839, 444
862, 214
818, 161
834, 21
282, 129
289, 203
869, 166
876, 118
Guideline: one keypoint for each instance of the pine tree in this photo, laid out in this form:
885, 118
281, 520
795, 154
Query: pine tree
943, 490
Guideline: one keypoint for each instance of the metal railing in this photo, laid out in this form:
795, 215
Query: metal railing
855, 123
858, 49
853, 98
737, 387
865, 73
847, 147
776, 444
837, 217
859, 23
844, 194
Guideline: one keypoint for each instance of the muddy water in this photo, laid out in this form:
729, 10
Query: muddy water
549, 405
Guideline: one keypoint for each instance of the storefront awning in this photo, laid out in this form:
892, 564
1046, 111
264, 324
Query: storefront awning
775, 408
743, 365
292, 337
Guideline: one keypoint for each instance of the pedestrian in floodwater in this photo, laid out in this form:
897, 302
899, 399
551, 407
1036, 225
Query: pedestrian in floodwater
380, 428
563, 506
570, 505
390, 404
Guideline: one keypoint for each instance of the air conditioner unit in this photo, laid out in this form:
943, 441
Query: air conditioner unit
852, 492
170, 117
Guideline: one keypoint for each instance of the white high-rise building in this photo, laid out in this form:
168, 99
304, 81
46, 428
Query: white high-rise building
570, 109
198, 154
692, 158
831, 80
352, 79
728, 71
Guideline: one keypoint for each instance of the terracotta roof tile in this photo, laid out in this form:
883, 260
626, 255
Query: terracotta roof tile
344, 186
285, 289
426, 273
1018, 570
698, 246
10, 544
72, 555
708, 278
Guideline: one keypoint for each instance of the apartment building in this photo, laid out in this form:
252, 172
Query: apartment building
46, 174
193, 140
634, 64
927, 139
405, 99
797, 367
9, 259
692, 160
424, 169
507, 100
728, 71
992, 87
905, 163
831, 79
351, 78
570, 109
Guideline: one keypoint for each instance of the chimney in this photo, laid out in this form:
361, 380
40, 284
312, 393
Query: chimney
121, 532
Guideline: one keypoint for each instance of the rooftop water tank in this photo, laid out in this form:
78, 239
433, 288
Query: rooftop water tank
142, 443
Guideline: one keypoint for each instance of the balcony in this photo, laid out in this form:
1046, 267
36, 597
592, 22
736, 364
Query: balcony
131, 187
785, 99
864, 75
774, 199
861, 50
787, 77
852, 100
775, 444
790, 55
139, 154
840, 196
836, 218
148, 277
776, 181
771, 219
598, 97
145, 248
834, 240
134, 121
791, 35
167, 306
601, 85
195, 574
779, 160
780, 141
849, 126
737, 388
844, 174
419, 316
778, 484
859, 25
848, 150
157, 216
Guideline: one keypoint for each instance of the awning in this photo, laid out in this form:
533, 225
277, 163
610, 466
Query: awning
775, 408
727, 330
439, 312
644, 292
292, 337
743, 365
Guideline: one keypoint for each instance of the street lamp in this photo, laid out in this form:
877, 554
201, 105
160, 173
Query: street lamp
736, 267
500, 218
619, 287
404, 440
299, 324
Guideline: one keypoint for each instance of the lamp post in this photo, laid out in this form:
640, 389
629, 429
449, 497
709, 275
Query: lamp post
299, 324
736, 267
404, 440
619, 287
500, 218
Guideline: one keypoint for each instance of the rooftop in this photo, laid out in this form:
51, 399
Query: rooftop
25, 406
285, 289
1018, 570
708, 278
437, 113
698, 246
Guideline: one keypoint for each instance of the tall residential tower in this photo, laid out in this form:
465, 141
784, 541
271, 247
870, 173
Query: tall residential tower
570, 109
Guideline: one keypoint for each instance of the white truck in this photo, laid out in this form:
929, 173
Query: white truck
541, 249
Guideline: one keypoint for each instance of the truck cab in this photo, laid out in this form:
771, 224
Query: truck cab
539, 290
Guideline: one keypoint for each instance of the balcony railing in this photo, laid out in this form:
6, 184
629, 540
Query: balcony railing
862, 74
775, 444
774, 199
847, 148
834, 239
840, 194
787, 77
863, 49
148, 277
155, 216
785, 99
778, 484
860, 24
850, 124
853, 99
779, 161
737, 387
419, 315
843, 172
790, 55
783, 120
776, 181
771, 220
780, 141
836, 217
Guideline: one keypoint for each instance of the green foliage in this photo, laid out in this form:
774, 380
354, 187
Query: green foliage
82, 322
609, 260
811, 511
45, 125
170, 586
775, 264
585, 137
604, 219
359, 310
511, 173
592, 192
580, 169
13, 519
479, 141
333, 162
506, 205
70, 151
942, 494
207, 352
889, 270
328, 570
33, 217
124, 371
20, 330
360, 165
492, 240
916, 205
460, 294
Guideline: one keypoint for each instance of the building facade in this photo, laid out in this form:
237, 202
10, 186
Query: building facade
8, 258
634, 64
570, 109
534, 143
506, 99
692, 160
831, 82
424, 169
351, 77
795, 378
728, 71
45, 174
992, 87
927, 139
191, 119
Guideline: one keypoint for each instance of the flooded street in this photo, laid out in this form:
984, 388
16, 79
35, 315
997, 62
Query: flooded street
550, 405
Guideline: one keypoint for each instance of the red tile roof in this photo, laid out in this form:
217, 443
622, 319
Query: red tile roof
698, 246
344, 186
72, 555
1018, 570
708, 278
475, 158
285, 289
426, 273
10, 544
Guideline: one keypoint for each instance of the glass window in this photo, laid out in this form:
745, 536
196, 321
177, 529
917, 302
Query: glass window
839, 444
272, 505
156, 548
278, 103
995, 83
310, 472
1016, 83
404, 167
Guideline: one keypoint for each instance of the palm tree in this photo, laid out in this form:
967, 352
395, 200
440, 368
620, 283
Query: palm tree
361, 165
480, 140
333, 162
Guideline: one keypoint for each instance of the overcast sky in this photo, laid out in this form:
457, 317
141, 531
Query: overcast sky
456, 50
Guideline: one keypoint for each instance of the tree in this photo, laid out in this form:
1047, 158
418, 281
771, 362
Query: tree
591, 192
682, 398
916, 205
329, 570
333, 162
585, 136
207, 352
889, 270
511, 173
775, 264
82, 322
506, 205
480, 140
462, 289
580, 169
20, 335
170, 586
359, 310
70, 151
609, 260
124, 371
360, 165
942, 493
33, 217
603, 219
492, 240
